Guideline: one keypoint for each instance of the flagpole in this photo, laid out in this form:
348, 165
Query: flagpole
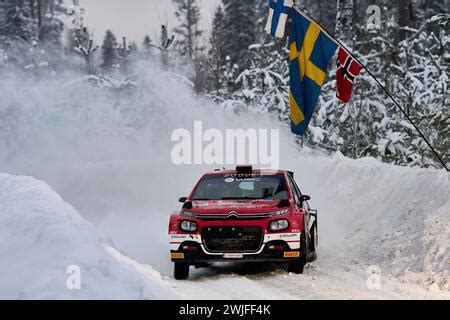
339, 43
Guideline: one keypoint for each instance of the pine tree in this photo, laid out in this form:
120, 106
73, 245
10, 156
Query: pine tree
239, 29
188, 31
147, 43
86, 48
77, 23
200, 78
262, 11
423, 87
124, 51
109, 51
147, 46
17, 23
17, 32
429, 8
162, 46
344, 21
51, 32
216, 52
265, 84
406, 17
166, 42
230, 72
50, 27
323, 11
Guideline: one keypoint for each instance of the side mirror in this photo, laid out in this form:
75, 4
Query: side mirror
284, 203
182, 199
304, 198
187, 205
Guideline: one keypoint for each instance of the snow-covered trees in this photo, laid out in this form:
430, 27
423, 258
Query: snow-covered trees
371, 125
84, 46
407, 54
187, 41
165, 42
147, 46
265, 84
344, 21
124, 51
27, 25
17, 29
109, 51
188, 31
239, 29
242, 68
50, 27
16, 23
217, 52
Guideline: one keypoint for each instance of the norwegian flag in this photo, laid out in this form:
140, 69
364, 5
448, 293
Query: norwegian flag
346, 73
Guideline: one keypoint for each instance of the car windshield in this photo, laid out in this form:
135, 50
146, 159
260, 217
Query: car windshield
241, 187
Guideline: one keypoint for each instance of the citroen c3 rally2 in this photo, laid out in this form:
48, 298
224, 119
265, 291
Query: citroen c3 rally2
243, 215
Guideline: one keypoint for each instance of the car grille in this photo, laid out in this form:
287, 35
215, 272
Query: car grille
231, 216
232, 239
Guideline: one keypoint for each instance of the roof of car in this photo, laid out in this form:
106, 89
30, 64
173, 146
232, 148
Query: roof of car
254, 171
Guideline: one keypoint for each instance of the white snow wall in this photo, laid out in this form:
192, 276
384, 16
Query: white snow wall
107, 152
45, 244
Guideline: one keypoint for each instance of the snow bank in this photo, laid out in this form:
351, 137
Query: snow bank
41, 236
392, 217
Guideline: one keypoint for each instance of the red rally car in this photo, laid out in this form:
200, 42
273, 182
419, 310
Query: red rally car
243, 215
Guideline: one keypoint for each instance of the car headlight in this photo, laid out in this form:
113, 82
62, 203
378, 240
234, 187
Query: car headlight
278, 225
279, 213
188, 226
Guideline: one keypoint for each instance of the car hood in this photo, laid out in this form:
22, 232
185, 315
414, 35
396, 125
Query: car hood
239, 206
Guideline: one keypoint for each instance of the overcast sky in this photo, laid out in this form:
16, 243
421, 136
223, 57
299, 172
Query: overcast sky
136, 18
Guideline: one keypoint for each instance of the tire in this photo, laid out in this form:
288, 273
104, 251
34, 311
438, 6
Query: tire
312, 252
297, 265
181, 270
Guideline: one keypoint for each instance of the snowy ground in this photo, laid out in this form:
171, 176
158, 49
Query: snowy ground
41, 236
113, 166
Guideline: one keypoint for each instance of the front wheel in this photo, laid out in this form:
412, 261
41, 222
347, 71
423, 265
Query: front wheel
181, 270
297, 265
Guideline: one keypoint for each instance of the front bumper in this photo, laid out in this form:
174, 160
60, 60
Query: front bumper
274, 247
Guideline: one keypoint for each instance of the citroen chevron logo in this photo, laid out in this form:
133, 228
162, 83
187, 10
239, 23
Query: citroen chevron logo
232, 214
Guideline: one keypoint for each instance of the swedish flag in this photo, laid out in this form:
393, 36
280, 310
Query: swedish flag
310, 51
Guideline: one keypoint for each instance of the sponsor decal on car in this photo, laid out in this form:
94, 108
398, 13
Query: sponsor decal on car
178, 236
184, 237
288, 235
242, 175
283, 236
